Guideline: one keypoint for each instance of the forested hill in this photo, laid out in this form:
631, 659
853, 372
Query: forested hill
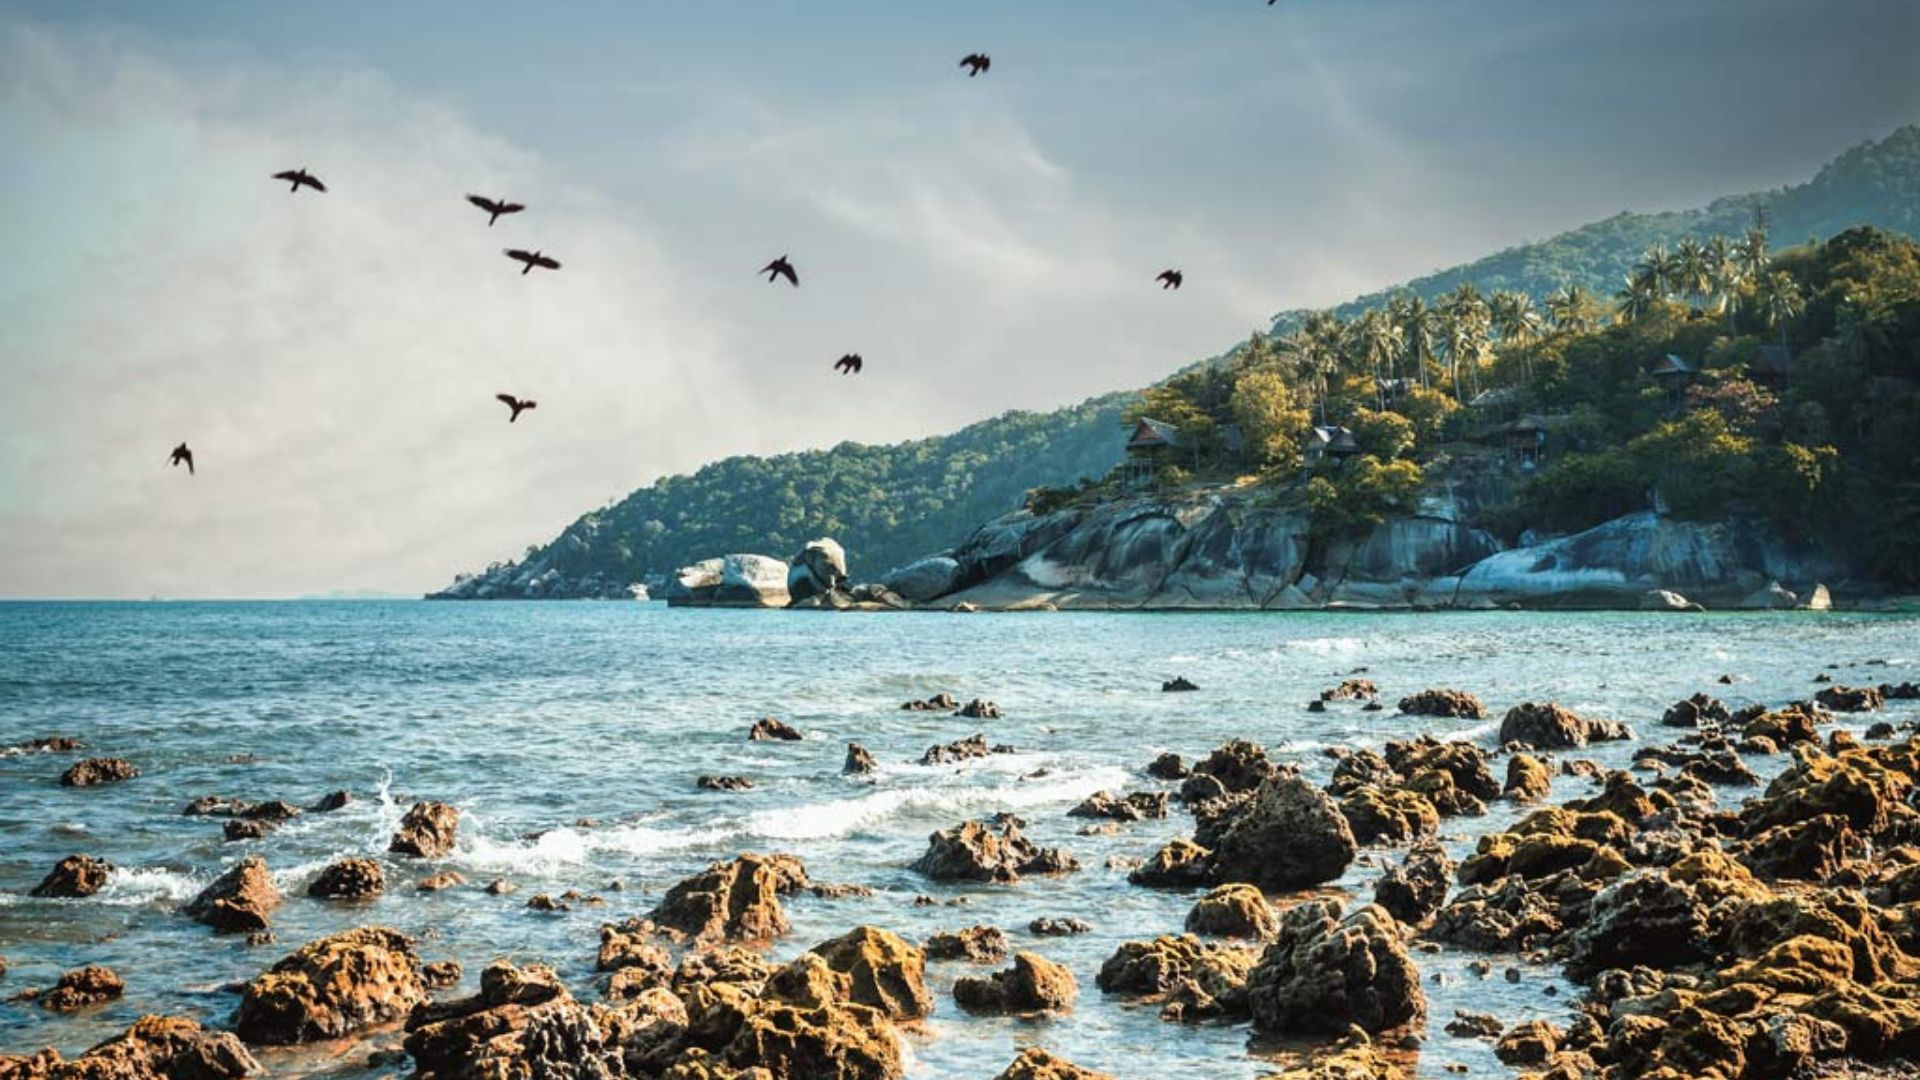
891, 504
1875, 183
887, 504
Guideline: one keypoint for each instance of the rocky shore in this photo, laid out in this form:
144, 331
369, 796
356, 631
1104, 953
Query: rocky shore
1742, 901
1229, 551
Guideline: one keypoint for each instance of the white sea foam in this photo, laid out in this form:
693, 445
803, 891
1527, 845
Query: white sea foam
148, 885
1326, 646
840, 817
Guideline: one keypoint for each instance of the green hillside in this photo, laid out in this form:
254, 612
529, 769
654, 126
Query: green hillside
891, 504
1876, 183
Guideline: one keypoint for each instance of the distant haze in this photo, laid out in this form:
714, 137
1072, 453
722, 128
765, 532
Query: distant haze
985, 243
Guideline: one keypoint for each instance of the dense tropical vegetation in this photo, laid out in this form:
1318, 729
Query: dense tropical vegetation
1792, 396
1567, 327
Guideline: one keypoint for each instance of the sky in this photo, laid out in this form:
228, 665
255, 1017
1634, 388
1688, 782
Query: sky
985, 244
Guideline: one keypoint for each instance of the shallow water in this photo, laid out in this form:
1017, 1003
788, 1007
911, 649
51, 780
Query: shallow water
530, 717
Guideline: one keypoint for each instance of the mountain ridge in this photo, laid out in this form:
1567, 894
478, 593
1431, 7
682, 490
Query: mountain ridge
891, 503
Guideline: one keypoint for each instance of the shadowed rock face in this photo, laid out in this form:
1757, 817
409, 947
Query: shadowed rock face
239, 900
1220, 550
1290, 836
1324, 973
155, 1046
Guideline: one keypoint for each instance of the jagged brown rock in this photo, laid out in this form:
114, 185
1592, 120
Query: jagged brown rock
974, 851
74, 877
1033, 985
349, 879
728, 901
1451, 703
1037, 1064
885, 972
978, 944
1324, 973
1290, 836
769, 729
154, 1048
332, 987
92, 771
83, 988
239, 901
427, 831
1235, 911
1412, 891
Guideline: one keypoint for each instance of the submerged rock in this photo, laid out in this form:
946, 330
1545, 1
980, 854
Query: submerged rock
94, 771
238, 901
427, 831
1137, 806
83, 988
769, 729
1178, 684
1180, 864
332, 987
1037, 1064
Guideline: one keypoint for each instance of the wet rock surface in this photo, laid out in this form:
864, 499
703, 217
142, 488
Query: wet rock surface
1324, 972
74, 877
332, 987
977, 851
349, 879
239, 901
1033, 984
427, 831
95, 771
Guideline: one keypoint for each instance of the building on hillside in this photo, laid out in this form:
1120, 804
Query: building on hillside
1526, 444
1771, 365
1147, 450
1328, 443
1675, 373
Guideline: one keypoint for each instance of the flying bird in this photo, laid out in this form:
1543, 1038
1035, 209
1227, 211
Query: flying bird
299, 177
975, 63
1170, 279
495, 207
781, 268
181, 455
517, 405
849, 364
531, 259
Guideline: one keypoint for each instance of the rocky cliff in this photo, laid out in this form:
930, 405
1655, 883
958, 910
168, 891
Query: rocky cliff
1224, 550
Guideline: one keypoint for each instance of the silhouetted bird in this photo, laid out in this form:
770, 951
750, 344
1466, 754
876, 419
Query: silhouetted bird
975, 63
495, 207
297, 177
182, 455
518, 406
531, 259
780, 268
849, 364
1170, 279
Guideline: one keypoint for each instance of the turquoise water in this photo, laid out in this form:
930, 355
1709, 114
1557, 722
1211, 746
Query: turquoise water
530, 717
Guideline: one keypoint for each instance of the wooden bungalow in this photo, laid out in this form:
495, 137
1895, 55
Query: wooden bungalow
1331, 444
1147, 450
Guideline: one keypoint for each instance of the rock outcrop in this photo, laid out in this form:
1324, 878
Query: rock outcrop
1033, 984
818, 569
750, 581
427, 831
239, 901
1289, 836
154, 1048
1324, 973
975, 851
728, 901
332, 987
883, 972
348, 879
83, 988
94, 771
74, 877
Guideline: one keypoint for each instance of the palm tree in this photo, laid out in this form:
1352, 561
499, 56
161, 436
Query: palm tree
1377, 341
1517, 323
1467, 325
1726, 277
1752, 254
1420, 331
1638, 299
1571, 309
1778, 298
1317, 347
1690, 273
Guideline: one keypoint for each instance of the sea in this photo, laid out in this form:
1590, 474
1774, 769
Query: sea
570, 736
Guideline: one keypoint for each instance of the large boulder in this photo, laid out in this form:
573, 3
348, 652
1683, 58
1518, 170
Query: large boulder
332, 987
819, 568
83, 988
974, 851
154, 1048
1236, 910
1292, 835
1164, 963
978, 944
883, 971
349, 879
1554, 727
924, 580
523, 1023
728, 901
1325, 973
427, 831
1452, 703
1650, 917
238, 901
74, 877
1412, 891
1033, 984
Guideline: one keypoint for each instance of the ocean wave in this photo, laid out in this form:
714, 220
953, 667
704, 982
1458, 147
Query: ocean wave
148, 885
